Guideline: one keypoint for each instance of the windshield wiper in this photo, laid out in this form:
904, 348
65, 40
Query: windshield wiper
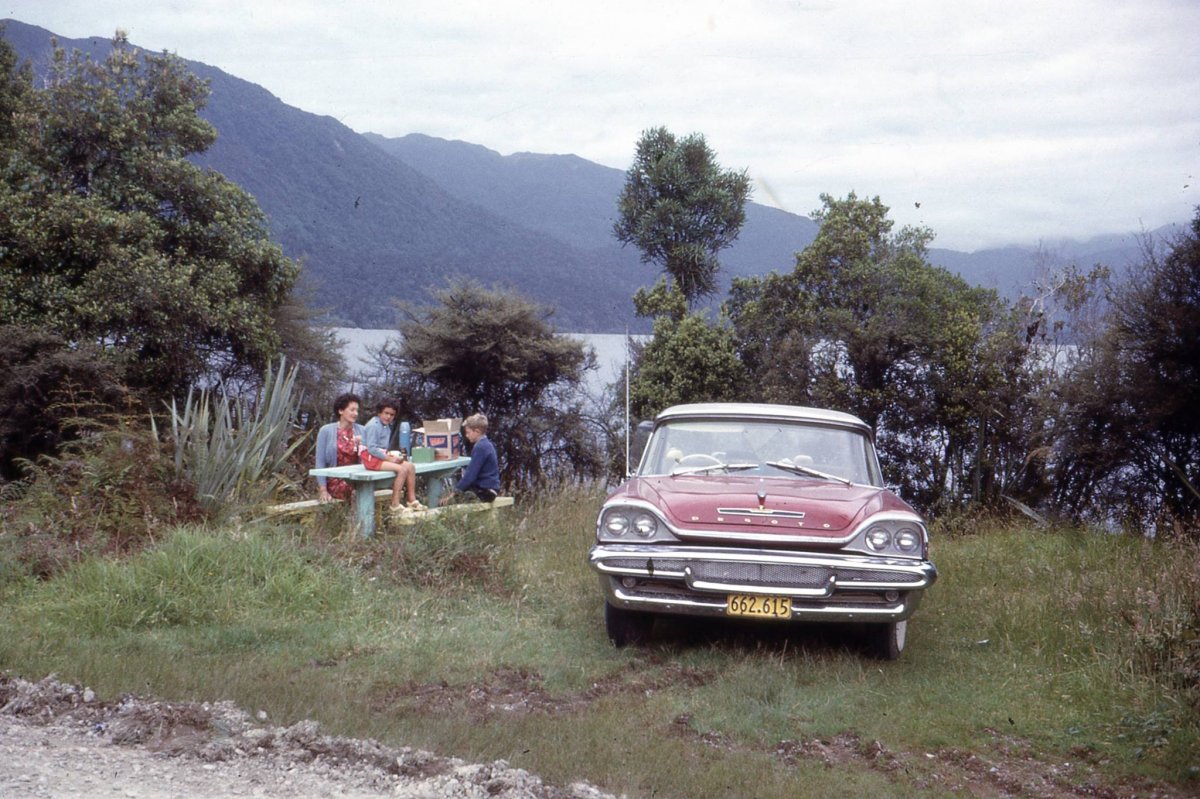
798, 469
708, 467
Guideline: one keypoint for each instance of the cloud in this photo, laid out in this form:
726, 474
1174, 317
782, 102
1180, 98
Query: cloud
1008, 122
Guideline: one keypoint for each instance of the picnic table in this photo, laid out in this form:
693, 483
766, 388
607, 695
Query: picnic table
364, 481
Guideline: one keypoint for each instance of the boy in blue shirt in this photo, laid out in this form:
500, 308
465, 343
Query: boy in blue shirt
482, 475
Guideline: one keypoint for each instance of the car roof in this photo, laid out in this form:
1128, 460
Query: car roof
757, 410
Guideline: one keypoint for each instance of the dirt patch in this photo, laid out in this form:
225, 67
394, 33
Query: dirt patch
1009, 769
513, 691
60, 740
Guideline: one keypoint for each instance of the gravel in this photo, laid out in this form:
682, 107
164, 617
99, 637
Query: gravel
61, 740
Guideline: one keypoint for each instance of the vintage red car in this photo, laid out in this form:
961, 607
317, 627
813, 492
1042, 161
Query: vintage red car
771, 512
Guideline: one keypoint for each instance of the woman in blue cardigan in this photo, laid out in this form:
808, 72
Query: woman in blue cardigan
337, 445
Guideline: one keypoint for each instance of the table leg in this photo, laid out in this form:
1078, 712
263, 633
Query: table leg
433, 489
364, 500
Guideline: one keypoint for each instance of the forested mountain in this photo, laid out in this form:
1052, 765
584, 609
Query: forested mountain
376, 219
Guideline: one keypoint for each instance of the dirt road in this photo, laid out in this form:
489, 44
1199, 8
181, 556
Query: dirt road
59, 740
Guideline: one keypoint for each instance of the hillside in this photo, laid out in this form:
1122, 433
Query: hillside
377, 219
368, 228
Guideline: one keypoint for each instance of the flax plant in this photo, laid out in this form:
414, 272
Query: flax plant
232, 448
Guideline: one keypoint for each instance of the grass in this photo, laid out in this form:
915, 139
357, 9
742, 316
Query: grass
486, 641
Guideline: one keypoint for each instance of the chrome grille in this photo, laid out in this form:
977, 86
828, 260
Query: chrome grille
781, 574
644, 564
856, 576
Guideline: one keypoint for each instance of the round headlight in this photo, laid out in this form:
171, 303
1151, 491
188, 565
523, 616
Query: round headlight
907, 540
616, 523
645, 525
878, 538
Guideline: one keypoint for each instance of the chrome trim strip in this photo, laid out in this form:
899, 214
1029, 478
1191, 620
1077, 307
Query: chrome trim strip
783, 514
922, 572
698, 607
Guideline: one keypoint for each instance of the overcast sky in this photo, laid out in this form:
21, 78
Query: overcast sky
1007, 122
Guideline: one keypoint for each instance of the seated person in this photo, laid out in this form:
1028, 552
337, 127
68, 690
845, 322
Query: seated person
337, 445
482, 475
374, 455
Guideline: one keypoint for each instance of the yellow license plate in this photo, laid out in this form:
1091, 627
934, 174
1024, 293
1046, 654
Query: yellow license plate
770, 607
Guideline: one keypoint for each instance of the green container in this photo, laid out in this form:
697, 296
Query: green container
422, 455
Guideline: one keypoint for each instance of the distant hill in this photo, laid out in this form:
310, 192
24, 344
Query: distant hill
369, 228
375, 219
575, 200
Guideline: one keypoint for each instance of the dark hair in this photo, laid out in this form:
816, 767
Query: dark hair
386, 402
343, 400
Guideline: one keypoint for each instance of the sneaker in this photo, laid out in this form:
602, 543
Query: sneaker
415, 505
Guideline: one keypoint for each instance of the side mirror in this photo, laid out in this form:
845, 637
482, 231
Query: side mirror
637, 446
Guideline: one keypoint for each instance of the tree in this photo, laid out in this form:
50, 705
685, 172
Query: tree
494, 352
49, 391
109, 235
864, 323
680, 208
688, 360
1130, 434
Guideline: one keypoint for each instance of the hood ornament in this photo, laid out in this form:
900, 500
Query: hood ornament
762, 495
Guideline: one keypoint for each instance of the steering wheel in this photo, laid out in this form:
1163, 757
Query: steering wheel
700, 459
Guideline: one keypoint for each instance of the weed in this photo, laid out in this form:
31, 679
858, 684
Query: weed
448, 553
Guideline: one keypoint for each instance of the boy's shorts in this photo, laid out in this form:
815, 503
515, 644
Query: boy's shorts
485, 494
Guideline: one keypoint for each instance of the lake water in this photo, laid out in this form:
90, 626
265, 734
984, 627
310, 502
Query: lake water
609, 348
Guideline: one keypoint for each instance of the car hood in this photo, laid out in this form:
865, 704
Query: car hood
713, 504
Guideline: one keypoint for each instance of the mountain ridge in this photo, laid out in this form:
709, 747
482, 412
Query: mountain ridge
376, 219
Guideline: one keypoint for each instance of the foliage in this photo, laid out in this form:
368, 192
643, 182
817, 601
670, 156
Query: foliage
680, 208
865, 324
230, 448
112, 236
314, 350
494, 352
687, 360
110, 491
51, 393
1129, 443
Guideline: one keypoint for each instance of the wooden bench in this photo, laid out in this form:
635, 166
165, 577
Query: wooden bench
365, 481
414, 516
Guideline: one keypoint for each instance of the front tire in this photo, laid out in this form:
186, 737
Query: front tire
888, 640
626, 627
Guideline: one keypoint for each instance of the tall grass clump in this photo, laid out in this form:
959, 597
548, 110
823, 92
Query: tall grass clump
233, 449
195, 577
449, 553
1097, 621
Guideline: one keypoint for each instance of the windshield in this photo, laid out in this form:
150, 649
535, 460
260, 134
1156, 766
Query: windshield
801, 451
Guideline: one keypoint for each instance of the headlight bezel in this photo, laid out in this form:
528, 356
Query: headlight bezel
892, 536
631, 524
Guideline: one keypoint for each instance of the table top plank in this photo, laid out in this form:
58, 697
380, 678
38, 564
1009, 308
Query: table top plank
358, 472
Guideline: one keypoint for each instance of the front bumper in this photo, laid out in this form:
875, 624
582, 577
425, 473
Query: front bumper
696, 581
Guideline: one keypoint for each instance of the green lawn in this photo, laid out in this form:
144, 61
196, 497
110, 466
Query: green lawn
486, 641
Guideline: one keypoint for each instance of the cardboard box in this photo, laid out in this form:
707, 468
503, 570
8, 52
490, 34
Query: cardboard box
443, 436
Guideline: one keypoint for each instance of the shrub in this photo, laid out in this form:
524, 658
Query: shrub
231, 448
46, 389
112, 491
